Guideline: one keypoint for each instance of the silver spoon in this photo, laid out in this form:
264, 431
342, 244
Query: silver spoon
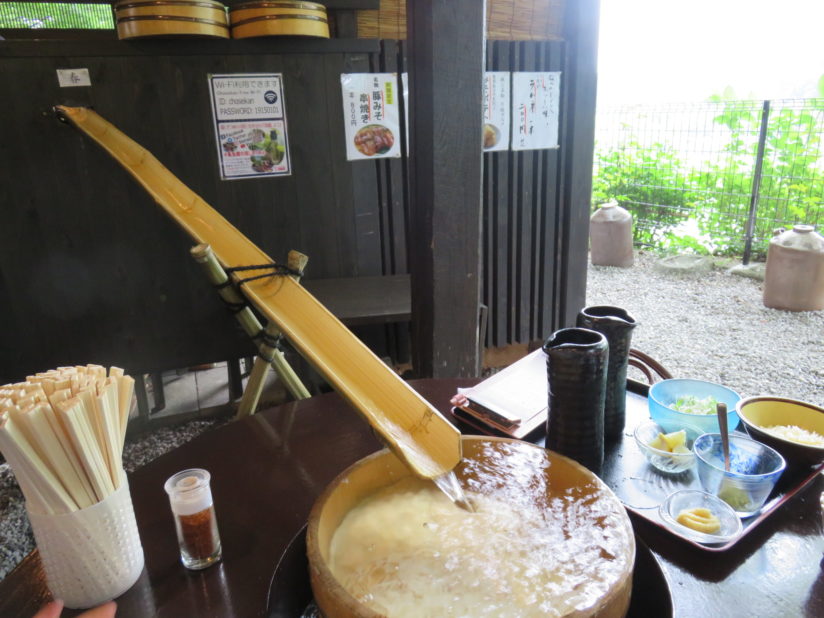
721, 411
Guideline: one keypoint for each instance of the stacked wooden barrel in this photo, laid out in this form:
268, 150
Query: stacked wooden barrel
148, 18
278, 18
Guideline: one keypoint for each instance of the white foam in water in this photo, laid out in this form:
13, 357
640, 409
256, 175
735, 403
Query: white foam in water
525, 551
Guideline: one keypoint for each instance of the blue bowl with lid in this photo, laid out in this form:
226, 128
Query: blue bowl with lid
696, 394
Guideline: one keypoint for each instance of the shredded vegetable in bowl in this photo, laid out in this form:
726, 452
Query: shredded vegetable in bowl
690, 404
796, 434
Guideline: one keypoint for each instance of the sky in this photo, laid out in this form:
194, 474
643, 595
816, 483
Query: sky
653, 51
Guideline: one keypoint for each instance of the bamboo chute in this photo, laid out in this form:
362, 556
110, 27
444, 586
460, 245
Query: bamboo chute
407, 423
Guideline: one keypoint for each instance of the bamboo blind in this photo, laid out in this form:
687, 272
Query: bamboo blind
508, 20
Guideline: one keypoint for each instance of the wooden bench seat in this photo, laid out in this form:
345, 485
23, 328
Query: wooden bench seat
365, 300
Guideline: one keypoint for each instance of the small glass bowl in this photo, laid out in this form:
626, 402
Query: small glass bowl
671, 463
754, 470
731, 526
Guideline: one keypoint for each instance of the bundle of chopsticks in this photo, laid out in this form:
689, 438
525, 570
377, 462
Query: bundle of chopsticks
62, 432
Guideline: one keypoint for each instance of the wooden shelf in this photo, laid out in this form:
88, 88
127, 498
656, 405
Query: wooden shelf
17, 48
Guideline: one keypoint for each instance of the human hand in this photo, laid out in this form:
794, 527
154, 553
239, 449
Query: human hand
53, 610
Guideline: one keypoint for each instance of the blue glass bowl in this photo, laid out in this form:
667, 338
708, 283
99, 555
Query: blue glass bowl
754, 470
664, 394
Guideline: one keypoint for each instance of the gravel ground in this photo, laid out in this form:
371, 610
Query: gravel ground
715, 327
711, 326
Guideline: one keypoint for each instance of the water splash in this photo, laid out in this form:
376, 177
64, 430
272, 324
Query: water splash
448, 483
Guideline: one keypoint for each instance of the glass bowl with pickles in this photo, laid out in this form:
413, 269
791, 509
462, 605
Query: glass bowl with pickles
701, 517
669, 452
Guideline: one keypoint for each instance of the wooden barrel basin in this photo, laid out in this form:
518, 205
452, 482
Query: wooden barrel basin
546, 533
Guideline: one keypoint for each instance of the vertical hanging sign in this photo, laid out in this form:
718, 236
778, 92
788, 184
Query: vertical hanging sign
496, 110
371, 115
535, 103
250, 125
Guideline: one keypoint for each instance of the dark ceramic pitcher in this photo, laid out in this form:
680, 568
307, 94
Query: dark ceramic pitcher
616, 325
577, 372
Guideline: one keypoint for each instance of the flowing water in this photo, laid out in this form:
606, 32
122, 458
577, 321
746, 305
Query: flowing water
448, 483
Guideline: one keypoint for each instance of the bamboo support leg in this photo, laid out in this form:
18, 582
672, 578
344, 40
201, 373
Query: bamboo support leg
204, 256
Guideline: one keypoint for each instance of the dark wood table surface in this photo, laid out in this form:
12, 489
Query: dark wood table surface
268, 469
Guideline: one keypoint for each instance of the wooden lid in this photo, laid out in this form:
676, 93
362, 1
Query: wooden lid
171, 18
279, 4
131, 4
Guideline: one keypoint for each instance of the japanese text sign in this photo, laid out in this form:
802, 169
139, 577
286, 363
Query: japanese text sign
371, 115
535, 103
250, 125
496, 108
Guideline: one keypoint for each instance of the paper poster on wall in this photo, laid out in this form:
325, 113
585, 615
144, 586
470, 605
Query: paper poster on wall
496, 110
250, 125
371, 116
405, 86
535, 103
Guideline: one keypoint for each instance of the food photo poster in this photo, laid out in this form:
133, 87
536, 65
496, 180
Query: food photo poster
496, 110
371, 115
249, 114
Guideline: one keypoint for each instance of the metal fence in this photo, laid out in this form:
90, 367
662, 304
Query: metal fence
718, 176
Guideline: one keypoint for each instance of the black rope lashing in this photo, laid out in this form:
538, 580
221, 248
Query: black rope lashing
268, 340
277, 270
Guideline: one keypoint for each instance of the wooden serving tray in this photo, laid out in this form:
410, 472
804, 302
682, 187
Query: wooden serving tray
642, 488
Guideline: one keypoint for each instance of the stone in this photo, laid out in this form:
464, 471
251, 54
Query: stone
685, 264
753, 270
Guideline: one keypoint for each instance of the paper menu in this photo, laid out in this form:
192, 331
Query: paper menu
371, 115
535, 109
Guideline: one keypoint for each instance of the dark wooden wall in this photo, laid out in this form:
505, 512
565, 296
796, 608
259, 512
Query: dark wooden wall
92, 270
522, 207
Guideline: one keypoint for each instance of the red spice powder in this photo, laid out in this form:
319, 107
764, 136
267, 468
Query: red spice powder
198, 539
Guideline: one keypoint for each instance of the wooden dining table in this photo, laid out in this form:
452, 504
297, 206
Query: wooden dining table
267, 470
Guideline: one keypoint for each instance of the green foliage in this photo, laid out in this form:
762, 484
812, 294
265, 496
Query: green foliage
702, 206
55, 15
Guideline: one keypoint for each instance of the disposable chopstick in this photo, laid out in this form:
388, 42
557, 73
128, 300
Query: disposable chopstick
92, 413
17, 448
75, 422
125, 391
70, 450
110, 420
34, 498
34, 422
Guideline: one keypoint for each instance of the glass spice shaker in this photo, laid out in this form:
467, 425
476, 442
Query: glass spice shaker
194, 513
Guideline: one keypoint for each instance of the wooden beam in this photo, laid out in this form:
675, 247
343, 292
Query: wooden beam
578, 139
446, 59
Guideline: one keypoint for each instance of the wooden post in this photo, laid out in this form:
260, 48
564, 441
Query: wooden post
578, 131
446, 59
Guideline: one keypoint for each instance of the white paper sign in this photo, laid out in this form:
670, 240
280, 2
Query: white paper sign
535, 102
250, 125
405, 87
69, 78
496, 110
370, 115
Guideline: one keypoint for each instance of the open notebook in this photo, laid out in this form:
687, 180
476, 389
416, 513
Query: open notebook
512, 402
